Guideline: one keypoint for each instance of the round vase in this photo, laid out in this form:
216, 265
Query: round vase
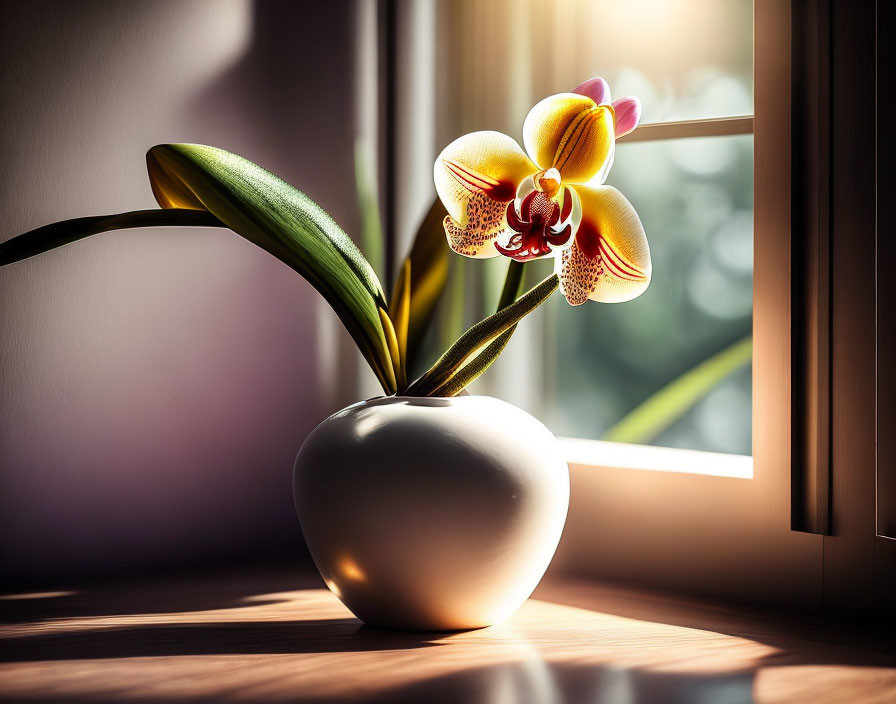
431, 514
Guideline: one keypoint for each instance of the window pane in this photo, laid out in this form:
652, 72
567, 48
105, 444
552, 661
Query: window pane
684, 59
583, 370
695, 198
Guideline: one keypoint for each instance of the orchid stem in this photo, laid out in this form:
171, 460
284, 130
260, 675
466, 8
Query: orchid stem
513, 284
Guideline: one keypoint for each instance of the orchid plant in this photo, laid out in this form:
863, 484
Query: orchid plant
494, 199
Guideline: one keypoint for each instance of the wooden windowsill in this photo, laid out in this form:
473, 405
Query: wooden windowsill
276, 635
600, 454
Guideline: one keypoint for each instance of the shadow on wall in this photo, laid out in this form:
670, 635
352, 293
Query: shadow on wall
156, 385
292, 95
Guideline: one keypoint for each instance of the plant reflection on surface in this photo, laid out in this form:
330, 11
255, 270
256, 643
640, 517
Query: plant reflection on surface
539, 682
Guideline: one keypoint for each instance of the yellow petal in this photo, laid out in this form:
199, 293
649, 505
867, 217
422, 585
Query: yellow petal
609, 260
476, 176
570, 133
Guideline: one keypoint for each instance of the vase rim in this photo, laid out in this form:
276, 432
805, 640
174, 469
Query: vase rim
420, 400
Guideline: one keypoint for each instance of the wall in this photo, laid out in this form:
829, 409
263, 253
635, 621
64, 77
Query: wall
155, 385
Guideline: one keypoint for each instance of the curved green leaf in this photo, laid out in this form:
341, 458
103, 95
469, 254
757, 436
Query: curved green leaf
371, 236
473, 368
399, 313
429, 257
280, 219
478, 338
671, 402
58, 234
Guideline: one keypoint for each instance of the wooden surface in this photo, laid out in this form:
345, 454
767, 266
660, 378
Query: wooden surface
275, 635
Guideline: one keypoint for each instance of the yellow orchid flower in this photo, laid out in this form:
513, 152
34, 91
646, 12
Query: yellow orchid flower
549, 200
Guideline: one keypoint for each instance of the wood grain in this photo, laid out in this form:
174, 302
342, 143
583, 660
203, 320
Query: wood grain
275, 635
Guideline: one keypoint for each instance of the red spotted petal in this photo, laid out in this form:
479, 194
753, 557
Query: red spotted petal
609, 260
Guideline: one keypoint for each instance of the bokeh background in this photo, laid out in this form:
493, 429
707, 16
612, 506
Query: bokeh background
155, 385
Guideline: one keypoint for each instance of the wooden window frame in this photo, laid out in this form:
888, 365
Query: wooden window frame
803, 531
719, 535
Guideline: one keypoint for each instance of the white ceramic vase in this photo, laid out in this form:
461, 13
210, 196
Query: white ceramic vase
431, 514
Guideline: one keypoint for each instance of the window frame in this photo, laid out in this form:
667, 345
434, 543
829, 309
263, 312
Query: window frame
803, 532
733, 535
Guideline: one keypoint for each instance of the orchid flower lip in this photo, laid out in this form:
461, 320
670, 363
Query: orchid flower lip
541, 225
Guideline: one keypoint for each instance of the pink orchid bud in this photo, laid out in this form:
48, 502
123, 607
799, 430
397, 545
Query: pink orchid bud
597, 89
628, 115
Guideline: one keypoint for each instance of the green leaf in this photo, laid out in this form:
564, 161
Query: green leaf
58, 234
452, 310
392, 343
368, 204
429, 258
285, 222
478, 338
475, 367
513, 284
399, 313
667, 405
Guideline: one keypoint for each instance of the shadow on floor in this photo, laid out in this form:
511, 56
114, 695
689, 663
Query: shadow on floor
176, 594
336, 635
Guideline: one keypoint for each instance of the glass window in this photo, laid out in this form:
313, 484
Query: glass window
695, 199
684, 59
671, 368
